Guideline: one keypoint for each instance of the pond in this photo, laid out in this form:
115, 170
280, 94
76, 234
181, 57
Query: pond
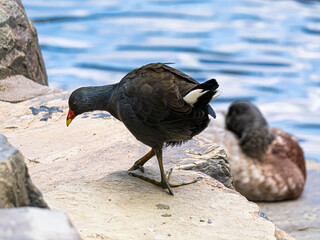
262, 50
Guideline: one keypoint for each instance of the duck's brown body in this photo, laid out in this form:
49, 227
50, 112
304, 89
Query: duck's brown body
159, 105
279, 175
267, 164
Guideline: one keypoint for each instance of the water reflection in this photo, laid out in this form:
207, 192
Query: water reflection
261, 50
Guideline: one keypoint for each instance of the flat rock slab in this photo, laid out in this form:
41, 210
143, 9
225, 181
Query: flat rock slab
121, 207
19, 88
31, 223
82, 170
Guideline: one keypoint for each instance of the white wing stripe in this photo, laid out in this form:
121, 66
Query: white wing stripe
192, 97
217, 94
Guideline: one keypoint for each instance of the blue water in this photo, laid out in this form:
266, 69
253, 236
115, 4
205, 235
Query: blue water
263, 50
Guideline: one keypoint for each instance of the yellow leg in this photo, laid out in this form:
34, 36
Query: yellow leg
164, 181
139, 163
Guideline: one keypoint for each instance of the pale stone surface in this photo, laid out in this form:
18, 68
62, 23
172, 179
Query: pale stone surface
19, 88
19, 48
82, 170
16, 187
31, 223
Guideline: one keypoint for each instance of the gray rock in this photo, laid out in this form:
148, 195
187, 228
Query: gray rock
30, 223
205, 156
19, 48
16, 187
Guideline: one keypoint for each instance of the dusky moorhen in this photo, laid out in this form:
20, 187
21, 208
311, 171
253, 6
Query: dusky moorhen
161, 106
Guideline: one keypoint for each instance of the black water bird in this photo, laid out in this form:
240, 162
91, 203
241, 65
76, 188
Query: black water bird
161, 106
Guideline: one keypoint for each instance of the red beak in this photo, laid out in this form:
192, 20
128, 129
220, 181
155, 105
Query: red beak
70, 117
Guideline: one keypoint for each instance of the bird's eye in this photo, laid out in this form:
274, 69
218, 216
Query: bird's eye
74, 102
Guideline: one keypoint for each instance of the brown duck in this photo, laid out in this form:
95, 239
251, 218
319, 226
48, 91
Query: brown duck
271, 164
160, 106
267, 164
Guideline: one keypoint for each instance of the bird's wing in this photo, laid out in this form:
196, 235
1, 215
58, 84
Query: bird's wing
184, 76
155, 93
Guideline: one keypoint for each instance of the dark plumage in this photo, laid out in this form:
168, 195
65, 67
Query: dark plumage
247, 122
153, 104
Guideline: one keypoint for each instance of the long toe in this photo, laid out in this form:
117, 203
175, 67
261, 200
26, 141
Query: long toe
178, 184
165, 181
168, 174
150, 180
167, 185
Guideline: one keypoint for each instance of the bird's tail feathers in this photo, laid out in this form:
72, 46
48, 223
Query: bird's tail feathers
202, 94
211, 85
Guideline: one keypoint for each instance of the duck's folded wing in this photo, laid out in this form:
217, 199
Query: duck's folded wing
155, 97
183, 76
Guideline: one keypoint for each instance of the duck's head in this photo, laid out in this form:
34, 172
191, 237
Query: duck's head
87, 99
243, 115
79, 102
246, 121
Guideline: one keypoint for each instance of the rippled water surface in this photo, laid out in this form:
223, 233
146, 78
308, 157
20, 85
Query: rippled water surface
263, 50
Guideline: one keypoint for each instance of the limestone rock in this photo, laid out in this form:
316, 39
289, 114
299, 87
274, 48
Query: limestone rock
35, 224
16, 187
203, 155
19, 48
19, 88
82, 170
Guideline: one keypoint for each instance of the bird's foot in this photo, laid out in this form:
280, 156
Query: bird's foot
165, 181
136, 166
